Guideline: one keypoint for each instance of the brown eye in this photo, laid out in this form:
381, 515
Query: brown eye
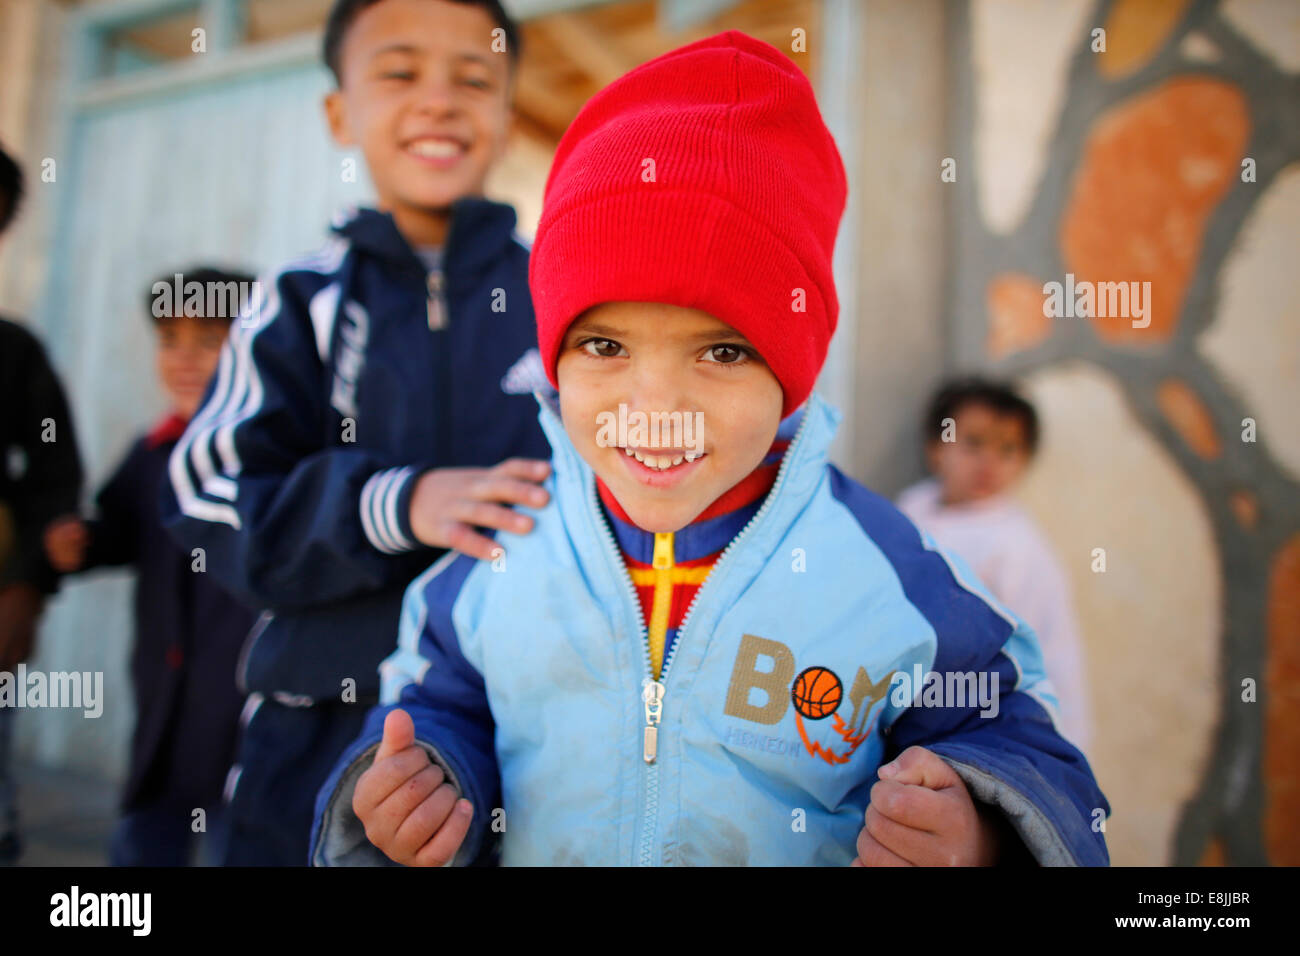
725, 355
602, 348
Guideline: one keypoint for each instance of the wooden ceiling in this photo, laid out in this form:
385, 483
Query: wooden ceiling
567, 56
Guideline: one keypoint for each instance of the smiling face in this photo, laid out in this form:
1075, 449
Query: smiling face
428, 102
186, 357
656, 360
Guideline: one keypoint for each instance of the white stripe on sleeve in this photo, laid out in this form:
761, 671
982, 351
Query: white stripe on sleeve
378, 507
237, 397
391, 517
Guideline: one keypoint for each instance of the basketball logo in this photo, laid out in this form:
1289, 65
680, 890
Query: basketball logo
816, 693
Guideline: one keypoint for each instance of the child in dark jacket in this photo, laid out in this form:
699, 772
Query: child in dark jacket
714, 647
40, 477
363, 418
188, 629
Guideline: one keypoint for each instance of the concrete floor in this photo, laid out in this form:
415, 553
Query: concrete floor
64, 819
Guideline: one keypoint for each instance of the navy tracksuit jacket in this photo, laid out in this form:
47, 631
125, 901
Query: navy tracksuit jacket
351, 373
188, 632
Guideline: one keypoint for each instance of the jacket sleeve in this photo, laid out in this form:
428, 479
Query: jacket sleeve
286, 513
1005, 744
115, 531
51, 481
429, 678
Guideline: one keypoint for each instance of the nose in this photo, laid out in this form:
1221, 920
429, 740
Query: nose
658, 386
436, 94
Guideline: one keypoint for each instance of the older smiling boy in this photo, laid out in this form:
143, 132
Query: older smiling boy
691, 661
357, 418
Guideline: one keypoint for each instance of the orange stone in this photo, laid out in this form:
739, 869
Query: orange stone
1281, 699
1215, 854
1190, 418
1016, 319
1153, 170
1135, 31
1245, 508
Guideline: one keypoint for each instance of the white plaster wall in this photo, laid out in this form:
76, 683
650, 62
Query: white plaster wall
1151, 621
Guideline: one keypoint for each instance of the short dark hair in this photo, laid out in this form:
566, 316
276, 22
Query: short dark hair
345, 12
204, 275
953, 396
11, 189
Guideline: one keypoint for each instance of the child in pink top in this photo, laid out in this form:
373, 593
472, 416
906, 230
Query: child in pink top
980, 437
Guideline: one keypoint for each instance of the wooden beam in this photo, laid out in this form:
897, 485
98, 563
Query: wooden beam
591, 50
539, 104
529, 128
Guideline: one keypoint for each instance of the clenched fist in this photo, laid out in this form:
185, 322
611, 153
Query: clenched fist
409, 809
66, 540
921, 814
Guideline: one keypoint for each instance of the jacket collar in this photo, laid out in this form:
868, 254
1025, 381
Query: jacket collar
802, 469
697, 540
480, 228
167, 430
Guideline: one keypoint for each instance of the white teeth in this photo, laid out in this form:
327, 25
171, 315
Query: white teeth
661, 462
434, 148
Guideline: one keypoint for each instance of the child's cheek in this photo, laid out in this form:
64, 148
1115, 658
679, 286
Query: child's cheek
164, 365
208, 362
578, 420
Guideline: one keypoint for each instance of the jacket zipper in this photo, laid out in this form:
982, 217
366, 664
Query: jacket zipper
436, 306
653, 691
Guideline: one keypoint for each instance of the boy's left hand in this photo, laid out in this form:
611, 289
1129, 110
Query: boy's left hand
66, 541
921, 814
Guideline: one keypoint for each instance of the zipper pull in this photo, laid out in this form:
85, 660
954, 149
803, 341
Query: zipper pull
652, 693
663, 552
437, 306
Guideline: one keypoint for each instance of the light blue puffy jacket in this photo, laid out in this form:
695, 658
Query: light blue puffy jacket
528, 680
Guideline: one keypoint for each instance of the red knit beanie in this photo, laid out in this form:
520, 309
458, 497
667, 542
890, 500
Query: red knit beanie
706, 179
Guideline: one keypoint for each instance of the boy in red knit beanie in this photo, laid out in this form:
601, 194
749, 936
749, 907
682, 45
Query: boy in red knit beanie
714, 647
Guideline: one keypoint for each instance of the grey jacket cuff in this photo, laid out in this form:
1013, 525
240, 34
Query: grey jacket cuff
1029, 823
342, 840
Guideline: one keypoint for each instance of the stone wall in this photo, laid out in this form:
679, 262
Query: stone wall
1164, 149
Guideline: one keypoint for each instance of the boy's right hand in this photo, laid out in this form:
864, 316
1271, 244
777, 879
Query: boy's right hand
409, 810
449, 502
66, 540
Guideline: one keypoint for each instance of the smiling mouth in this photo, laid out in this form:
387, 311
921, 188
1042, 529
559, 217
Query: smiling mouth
664, 459
437, 149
